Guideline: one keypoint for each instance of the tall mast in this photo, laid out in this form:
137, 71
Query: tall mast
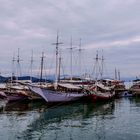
102, 65
97, 65
13, 67
57, 50
96, 70
71, 51
115, 74
71, 56
31, 66
119, 77
80, 56
18, 65
71, 48
59, 71
41, 71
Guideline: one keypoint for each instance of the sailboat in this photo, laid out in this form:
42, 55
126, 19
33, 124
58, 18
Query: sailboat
135, 88
14, 91
41, 84
55, 96
99, 91
78, 81
58, 95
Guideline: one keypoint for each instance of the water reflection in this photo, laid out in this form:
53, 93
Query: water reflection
37, 120
115, 120
22, 106
54, 121
135, 100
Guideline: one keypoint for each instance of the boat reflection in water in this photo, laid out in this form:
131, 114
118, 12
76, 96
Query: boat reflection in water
87, 121
37, 120
67, 121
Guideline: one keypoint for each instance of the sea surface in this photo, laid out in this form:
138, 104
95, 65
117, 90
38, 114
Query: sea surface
115, 120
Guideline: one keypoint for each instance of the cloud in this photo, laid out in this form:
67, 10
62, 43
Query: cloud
111, 25
114, 43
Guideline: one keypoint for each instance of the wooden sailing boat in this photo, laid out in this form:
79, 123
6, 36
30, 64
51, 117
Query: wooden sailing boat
40, 84
54, 95
15, 91
81, 80
99, 91
135, 88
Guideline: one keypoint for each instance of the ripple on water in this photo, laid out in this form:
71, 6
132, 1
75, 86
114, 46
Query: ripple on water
117, 120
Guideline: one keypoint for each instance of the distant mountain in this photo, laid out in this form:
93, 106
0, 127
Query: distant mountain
51, 78
34, 79
3, 79
128, 79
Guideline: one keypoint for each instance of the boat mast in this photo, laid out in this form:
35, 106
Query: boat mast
31, 66
41, 71
13, 66
59, 71
96, 70
102, 65
57, 51
18, 65
115, 74
71, 50
71, 56
119, 77
80, 56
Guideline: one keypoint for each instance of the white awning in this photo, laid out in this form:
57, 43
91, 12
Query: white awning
103, 87
69, 86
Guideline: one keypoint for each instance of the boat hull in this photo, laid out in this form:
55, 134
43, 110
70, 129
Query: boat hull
55, 97
11, 96
100, 97
2, 95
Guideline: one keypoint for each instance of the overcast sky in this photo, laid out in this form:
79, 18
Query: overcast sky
111, 25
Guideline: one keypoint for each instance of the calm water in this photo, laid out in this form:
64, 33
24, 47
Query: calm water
117, 120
